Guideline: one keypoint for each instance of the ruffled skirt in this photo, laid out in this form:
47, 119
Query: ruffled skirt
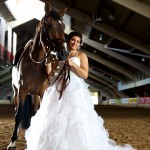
70, 123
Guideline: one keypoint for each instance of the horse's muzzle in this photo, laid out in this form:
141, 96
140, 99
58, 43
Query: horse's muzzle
63, 55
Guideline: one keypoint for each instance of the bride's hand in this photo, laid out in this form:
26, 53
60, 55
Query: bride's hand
70, 62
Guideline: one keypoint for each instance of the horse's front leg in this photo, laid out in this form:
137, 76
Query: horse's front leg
37, 102
15, 97
18, 119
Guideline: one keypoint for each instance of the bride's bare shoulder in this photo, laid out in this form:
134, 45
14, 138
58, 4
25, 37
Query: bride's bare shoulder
82, 54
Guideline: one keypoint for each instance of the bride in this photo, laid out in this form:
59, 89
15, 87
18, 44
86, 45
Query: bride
70, 123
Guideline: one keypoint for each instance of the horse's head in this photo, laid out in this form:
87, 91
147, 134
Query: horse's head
52, 33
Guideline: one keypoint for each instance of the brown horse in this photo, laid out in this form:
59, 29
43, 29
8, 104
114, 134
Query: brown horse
29, 73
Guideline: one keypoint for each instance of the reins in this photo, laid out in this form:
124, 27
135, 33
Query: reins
64, 77
28, 44
43, 59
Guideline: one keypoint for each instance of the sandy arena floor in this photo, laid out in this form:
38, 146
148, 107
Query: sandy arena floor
125, 125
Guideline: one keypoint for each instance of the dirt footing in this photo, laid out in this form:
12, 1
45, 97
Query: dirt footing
124, 124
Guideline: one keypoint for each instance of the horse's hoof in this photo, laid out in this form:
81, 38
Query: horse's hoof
11, 146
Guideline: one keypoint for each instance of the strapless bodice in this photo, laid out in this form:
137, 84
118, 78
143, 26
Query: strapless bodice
76, 60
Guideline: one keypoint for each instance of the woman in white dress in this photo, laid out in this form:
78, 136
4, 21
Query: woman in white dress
70, 123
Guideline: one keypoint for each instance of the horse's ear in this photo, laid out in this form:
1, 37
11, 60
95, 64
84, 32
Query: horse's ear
47, 7
61, 13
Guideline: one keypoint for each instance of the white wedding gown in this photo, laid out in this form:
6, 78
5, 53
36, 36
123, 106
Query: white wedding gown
70, 123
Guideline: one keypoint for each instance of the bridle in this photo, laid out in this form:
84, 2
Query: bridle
48, 44
49, 47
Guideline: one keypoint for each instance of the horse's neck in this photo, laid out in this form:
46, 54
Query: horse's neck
36, 41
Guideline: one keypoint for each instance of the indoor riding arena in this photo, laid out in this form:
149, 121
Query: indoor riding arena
125, 125
115, 37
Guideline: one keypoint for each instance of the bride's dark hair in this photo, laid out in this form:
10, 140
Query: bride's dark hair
75, 33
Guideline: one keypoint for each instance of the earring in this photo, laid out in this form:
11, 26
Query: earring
81, 44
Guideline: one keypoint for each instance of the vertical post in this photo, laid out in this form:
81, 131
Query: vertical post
2, 37
14, 45
9, 45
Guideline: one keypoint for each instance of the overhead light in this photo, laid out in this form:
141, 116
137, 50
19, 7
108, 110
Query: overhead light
101, 37
111, 17
98, 20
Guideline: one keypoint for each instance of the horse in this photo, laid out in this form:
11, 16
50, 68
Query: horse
29, 75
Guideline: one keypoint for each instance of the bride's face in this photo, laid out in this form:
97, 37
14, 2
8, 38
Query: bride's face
74, 43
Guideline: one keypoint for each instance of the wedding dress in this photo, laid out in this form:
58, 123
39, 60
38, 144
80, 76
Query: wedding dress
70, 123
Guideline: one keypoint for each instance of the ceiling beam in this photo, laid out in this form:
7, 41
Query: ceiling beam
100, 87
102, 81
108, 86
101, 75
7, 70
139, 66
111, 74
7, 77
16, 23
104, 28
136, 6
145, 69
128, 73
